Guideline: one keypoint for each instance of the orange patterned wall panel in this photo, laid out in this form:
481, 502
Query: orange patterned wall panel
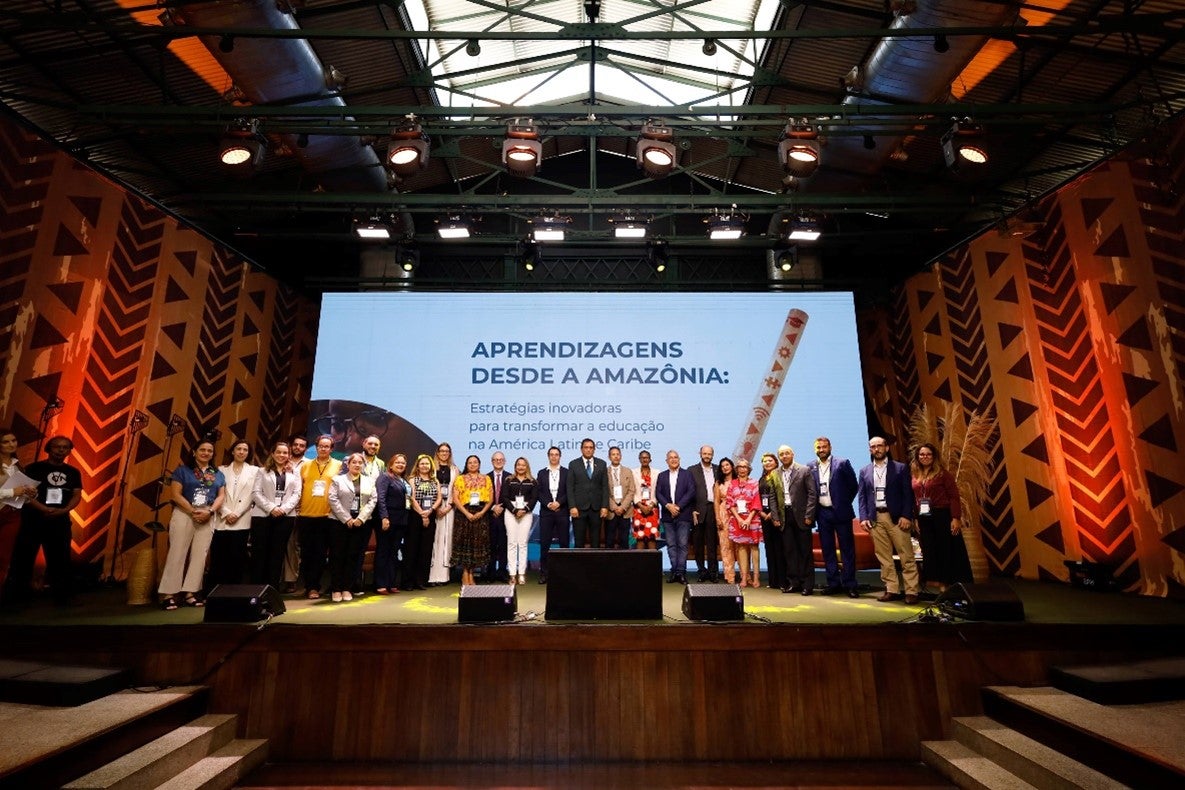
116, 308
1075, 336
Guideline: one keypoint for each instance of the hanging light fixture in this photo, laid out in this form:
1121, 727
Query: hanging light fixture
407, 152
804, 228
962, 145
373, 229
522, 153
656, 254
654, 149
629, 226
726, 226
549, 228
454, 227
799, 149
242, 148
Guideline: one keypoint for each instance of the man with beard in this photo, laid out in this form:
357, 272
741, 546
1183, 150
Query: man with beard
798, 488
835, 481
886, 510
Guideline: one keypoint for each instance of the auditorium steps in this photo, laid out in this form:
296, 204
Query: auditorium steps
1048, 738
48, 746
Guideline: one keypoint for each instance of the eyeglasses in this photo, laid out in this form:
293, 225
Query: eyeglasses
370, 422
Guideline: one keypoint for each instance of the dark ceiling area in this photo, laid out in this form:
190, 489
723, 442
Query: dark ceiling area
147, 92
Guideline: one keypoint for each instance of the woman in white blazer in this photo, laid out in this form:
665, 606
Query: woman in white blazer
232, 527
276, 495
351, 501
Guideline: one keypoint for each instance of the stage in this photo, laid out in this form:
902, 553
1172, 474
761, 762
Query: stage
395, 678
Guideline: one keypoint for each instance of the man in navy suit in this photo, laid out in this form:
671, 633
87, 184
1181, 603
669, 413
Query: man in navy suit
588, 495
674, 492
496, 569
554, 521
835, 481
885, 499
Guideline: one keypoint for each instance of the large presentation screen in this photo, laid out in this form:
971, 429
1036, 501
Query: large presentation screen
520, 372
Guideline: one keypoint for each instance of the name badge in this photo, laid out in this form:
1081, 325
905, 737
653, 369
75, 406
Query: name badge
617, 492
426, 503
200, 497
520, 503
742, 507
474, 499
823, 488
923, 507
880, 496
765, 502
407, 501
645, 492
53, 496
318, 488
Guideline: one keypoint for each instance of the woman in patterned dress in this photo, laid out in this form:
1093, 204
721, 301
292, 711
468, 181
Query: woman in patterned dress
725, 474
473, 495
645, 521
743, 503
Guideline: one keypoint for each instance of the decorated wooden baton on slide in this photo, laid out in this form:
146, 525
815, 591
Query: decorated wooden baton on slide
767, 394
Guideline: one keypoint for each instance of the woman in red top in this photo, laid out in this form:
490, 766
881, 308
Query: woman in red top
939, 519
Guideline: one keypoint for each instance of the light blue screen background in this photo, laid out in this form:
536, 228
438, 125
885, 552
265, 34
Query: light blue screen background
414, 354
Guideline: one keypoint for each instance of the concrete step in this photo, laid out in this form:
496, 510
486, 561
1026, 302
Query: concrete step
1028, 759
159, 760
1138, 745
968, 768
221, 770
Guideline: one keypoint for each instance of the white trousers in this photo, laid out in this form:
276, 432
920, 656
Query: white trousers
518, 530
442, 549
187, 540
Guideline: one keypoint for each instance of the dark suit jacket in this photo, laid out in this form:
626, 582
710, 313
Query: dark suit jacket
898, 492
701, 489
684, 496
499, 491
802, 496
544, 489
583, 493
842, 486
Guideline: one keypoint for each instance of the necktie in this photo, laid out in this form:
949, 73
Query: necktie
588, 468
497, 487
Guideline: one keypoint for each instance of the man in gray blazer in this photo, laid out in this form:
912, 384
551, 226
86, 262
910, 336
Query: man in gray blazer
801, 498
587, 495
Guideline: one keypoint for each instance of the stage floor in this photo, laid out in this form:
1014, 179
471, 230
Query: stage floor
1044, 603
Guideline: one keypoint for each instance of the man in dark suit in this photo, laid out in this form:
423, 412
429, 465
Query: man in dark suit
800, 498
554, 521
885, 499
496, 569
835, 481
704, 541
674, 492
587, 495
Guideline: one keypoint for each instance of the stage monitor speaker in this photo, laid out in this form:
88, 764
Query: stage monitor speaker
993, 601
243, 603
487, 603
597, 584
713, 602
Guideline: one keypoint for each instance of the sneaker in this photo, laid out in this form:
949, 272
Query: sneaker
347, 596
522, 578
337, 597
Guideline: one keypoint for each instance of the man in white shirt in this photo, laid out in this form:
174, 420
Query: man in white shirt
621, 494
704, 541
554, 521
372, 467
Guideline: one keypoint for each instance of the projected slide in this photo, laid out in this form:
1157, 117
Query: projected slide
522, 372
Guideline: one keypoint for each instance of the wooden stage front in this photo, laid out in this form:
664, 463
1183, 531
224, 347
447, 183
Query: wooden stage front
537, 692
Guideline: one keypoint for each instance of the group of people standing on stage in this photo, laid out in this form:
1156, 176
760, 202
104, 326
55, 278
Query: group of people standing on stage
240, 522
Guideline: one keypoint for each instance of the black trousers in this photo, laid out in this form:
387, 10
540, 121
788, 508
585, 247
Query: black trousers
228, 557
800, 557
775, 555
345, 544
387, 546
617, 532
50, 534
371, 527
269, 544
313, 532
586, 527
496, 569
554, 525
417, 552
705, 545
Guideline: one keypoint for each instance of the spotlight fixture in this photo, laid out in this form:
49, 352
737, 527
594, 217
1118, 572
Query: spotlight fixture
654, 150
373, 229
656, 255
628, 226
529, 254
549, 228
804, 228
726, 226
408, 150
941, 45
408, 258
962, 145
473, 48
799, 149
243, 147
709, 47
453, 227
522, 153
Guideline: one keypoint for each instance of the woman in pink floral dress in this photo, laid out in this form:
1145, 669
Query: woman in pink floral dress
743, 502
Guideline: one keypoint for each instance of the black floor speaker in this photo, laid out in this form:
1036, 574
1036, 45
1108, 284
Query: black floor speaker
243, 603
992, 601
487, 603
713, 602
604, 584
